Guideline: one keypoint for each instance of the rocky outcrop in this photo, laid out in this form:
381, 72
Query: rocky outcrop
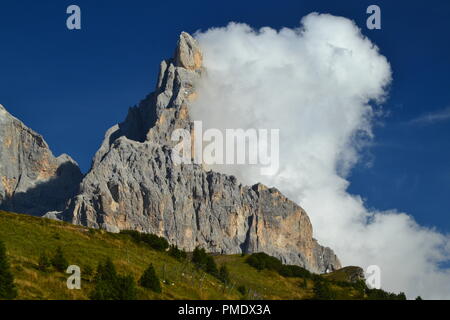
32, 180
133, 184
348, 274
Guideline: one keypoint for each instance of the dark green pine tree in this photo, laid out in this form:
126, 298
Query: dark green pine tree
401, 296
7, 287
150, 280
59, 260
105, 282
211, 266
111, 286
44, 262
199, 257
323, 291
106, 271
126, 286
224, 274
178, 254
204, 261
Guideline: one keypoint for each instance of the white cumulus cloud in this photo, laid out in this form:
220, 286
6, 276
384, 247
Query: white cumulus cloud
317, 84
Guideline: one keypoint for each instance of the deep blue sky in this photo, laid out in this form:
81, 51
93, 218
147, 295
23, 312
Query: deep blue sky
71, 86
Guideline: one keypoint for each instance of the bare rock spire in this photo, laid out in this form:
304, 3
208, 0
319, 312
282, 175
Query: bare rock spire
133, 184
188, 54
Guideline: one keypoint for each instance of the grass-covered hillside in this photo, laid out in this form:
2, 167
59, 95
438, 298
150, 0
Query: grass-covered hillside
32, 243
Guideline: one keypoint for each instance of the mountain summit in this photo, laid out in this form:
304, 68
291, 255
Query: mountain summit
133, 183
32, 180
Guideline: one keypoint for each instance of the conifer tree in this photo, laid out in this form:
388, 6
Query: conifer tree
204, 261
7, 287
59, 260
224, 274
111, 286
150, 280
44, 262
177, 253
211, 266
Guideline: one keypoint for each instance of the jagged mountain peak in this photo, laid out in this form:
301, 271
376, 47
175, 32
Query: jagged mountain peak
32, 179
134, 184
188, 54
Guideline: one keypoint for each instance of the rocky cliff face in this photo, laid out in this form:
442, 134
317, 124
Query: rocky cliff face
32, 180
133, 184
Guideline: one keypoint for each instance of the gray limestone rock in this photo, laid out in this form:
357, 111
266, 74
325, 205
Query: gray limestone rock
32, 180
133, 184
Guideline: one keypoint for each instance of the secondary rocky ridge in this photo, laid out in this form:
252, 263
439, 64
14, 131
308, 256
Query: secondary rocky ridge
32, 180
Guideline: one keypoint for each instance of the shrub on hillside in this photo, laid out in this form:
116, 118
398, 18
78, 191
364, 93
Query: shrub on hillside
294, 271
133, 234
178, 254
152, 240
59, 261
111, 286
224, 274
157, 243
44, 262
401, 296
211, 267
87, 273
379, 294
261, 261
304, 284
323, 291
359, 285
7, 288
126, 288
204, 261
242, 290
150, 280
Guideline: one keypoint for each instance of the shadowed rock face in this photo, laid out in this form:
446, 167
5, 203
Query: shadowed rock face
32, 180
133, 184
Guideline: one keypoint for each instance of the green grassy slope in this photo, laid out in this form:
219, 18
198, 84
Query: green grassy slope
27, 237
343, 274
